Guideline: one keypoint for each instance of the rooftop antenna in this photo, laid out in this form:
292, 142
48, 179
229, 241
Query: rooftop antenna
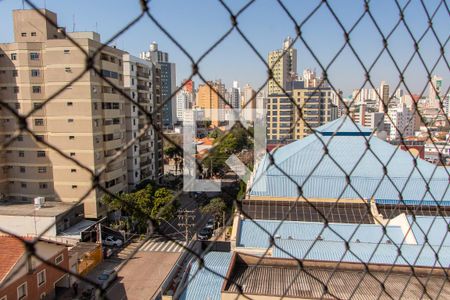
73, 23
96, 27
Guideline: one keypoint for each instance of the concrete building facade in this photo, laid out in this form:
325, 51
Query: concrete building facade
283, 117
84, 120
144, 159
283, 63
208, 99
168, 83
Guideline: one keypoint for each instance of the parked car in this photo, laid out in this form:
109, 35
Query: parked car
204, 234
112, 241
106, 277
210, 224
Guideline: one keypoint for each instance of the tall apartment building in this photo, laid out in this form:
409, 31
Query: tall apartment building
283, 118
284, 66
367, 117
235, 95
185, 101
401, 120
383, 96
86, 121
168, 82
435, 95
142, 83
209, 100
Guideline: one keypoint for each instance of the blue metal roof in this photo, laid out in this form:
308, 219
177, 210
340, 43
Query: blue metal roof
204, 284
306, 158
418, 255
435, 229
252, 235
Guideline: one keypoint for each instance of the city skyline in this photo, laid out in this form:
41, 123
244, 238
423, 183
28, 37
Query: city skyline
267, 26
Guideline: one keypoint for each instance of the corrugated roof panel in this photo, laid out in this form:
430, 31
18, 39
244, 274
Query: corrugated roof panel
252, 234
436, 229
203, 283
363, 252
306, 158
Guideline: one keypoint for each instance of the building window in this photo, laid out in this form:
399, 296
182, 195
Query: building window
70, 120
21, 154
39, 122
22, 169
34, 56
69, 103
41, 154
74, 187
13, 56
22, 291
41, 278
15, 73
16, 89
37, 105
36, 89
35, 73
33, 34
66, 51
17, 105
43, 185
42, 170
73, 170
72, 154
59, 259
23, 34
39, 137
23, 185
20, 138
71, 137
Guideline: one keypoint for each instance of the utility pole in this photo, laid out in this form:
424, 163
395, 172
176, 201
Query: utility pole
186, 218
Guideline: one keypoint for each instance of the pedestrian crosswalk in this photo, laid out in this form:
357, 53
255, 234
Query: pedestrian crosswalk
162, 245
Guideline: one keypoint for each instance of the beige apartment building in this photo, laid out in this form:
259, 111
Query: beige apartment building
142, 80
284, 66
283, 117
85, 121
209, 100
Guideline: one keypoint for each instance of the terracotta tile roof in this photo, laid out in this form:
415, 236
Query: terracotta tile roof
11, 250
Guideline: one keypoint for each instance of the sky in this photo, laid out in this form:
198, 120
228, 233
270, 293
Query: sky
197, 24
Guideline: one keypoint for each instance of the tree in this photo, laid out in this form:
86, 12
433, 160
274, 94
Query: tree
143, 205
164, 207
175, 154
215, 207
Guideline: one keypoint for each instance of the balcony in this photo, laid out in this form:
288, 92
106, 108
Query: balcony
144, 150
142, 87
145, 163
143, 99
143, 74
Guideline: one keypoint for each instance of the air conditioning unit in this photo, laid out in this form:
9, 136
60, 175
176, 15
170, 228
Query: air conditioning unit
39, 202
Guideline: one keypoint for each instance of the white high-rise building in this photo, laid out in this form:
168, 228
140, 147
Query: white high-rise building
235, 95
401, 120
144, 157
185, 100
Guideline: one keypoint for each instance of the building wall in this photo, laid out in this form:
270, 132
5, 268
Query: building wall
208, 99
142, 155
75, 121
34, 291
284, 66
283, 117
